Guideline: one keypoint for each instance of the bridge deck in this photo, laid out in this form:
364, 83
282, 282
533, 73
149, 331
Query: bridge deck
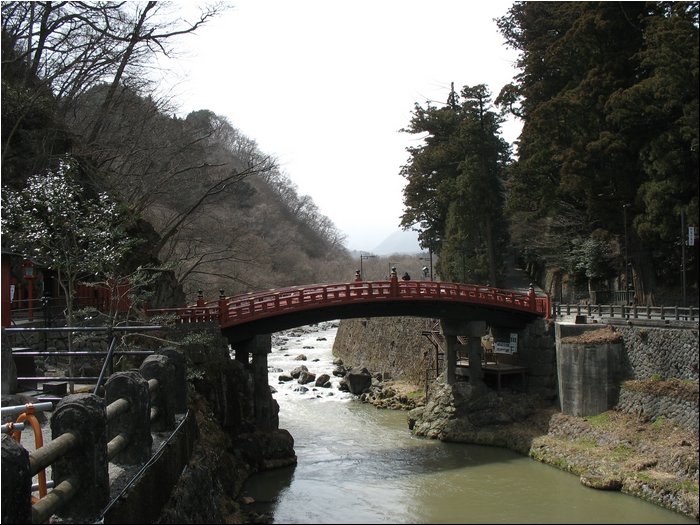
345, 297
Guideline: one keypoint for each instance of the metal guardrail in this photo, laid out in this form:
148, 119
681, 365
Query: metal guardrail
107, 366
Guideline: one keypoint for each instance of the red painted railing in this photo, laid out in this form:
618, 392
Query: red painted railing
244, 308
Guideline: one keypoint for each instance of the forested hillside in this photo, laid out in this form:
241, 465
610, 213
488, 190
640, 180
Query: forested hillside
199, 198
604, 182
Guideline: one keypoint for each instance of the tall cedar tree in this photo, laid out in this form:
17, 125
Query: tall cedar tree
608, 94
454, 185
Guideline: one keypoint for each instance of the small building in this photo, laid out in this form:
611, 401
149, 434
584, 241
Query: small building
30, 292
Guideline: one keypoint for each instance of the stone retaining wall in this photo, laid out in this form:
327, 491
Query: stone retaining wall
660, 352
395, 345
652, 406
392, 345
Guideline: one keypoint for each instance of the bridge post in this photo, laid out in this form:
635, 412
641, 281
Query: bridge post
451, 328
223, 307
85, 416
532, 297
178, 360
259, 346
394, 286
17, 482
159, 367
136, 422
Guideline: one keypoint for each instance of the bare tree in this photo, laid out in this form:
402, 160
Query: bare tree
74, 46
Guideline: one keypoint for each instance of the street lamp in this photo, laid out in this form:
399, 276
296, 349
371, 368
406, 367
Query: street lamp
429, 258
364, 256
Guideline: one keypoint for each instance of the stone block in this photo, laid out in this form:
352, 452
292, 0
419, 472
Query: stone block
55, 388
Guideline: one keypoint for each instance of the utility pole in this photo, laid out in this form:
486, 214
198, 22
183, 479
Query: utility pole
683, 240
362, 258
627, 285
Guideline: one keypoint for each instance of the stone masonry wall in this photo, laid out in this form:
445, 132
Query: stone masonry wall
386, 344
680, 411
664, 352
660, 354
537, 351
395, 345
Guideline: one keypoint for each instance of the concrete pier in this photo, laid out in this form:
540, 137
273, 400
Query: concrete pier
589, 373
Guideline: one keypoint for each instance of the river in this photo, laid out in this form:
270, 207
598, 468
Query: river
359, 464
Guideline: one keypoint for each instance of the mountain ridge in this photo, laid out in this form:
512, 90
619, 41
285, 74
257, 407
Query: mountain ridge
399, 242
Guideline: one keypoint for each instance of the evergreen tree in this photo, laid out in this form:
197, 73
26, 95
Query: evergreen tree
454, 184
608, 96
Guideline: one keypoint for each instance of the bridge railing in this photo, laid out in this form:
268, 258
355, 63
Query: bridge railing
88, 432
247, 307
662, 313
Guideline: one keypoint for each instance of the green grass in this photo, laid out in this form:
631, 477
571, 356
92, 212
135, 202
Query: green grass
598, 421
659, 423
587, 442
646, 478
687, 485
622, 452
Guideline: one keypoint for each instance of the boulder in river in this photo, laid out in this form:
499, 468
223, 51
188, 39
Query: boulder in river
322, 380
298, 370
306, 377
359, 380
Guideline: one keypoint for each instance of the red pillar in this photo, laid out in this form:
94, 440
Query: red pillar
394, 282
6, 305
30, 289
223, 308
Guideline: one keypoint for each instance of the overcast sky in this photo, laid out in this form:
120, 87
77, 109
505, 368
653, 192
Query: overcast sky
325, 86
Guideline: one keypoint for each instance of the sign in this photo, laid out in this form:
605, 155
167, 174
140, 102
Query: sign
691, 235
502, 348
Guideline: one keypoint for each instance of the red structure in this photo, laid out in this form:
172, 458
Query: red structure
25, 283
28, 273
245, 308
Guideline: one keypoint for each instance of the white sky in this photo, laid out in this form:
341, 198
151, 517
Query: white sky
324, 86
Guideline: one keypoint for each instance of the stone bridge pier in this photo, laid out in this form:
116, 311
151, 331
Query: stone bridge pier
473, 330
253, 354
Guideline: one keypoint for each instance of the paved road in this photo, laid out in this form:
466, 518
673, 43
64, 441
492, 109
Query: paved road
517, 278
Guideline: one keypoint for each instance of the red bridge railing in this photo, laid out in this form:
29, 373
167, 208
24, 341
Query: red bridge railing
244, 308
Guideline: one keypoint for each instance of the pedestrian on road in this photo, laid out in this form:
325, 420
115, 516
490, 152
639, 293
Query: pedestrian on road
405, 276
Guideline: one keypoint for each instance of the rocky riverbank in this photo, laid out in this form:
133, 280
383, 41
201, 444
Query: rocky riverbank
650, 457
653, 459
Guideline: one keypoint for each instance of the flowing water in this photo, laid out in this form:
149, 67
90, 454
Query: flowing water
359, 464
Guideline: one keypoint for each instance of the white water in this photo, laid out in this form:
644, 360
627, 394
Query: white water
316, 343
358, 464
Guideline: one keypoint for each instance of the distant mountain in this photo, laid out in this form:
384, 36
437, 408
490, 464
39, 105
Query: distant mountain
399, 242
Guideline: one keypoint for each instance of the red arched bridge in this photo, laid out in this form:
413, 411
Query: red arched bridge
246, 315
